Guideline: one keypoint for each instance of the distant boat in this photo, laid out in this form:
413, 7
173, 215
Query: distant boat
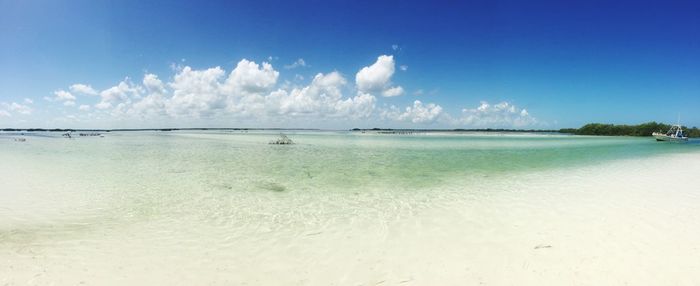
675, 134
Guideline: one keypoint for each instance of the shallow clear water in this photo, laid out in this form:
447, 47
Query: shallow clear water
335, 208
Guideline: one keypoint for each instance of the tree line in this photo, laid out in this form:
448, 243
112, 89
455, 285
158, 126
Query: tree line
644, 129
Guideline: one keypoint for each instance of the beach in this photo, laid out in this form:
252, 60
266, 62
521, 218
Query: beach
346, 208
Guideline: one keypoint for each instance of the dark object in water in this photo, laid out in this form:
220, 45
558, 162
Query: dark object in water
90, 134
282, 140
275, 187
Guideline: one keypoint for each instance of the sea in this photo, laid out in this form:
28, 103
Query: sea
224, 207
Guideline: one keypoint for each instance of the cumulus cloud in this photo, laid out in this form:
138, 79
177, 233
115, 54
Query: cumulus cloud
393, 91
120, 93
296, 64
19, 108
418, 113
247, 91
6, 109
103, 105
63, 95
376, 76
321, 98
153, 103
249, 77
503, 114
376, 79
153, 84
196, 92
251, 91
83, 88
359, 106
67, 98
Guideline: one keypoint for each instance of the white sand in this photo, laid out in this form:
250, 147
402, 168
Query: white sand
630, 222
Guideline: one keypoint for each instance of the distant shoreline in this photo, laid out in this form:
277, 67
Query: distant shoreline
144, 129
411, 130
279, 129
595, 129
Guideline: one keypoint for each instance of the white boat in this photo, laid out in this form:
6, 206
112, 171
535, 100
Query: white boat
675, 134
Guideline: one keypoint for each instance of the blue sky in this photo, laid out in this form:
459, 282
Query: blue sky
539, 64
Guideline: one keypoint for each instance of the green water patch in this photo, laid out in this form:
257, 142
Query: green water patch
272, 186
326, 161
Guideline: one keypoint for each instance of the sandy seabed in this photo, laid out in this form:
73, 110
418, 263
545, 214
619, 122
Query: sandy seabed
624, 222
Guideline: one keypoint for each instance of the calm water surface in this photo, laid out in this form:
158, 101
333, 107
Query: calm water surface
227, 208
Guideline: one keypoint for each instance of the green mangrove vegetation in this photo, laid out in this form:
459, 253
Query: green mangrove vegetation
644, 129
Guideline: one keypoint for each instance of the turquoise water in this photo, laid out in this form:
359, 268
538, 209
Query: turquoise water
229, 200
334, 161
151, 173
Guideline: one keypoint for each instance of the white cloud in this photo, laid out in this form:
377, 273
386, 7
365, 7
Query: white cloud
403, 67
83, 88
28, 101
103, 105
196, 92
247, 86
393, 91
395, 47
14, 107
503, 114
359, 106
418, 113
63, 95
123, 92
251, 92
119, 92
296, 64
67, 98
249, 77
154, 102
246, 92
21, 109
320, 98
153, 84
377, 77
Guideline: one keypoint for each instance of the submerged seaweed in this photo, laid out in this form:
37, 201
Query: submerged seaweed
275, 187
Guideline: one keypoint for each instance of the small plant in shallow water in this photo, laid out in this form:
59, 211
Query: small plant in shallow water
282, 140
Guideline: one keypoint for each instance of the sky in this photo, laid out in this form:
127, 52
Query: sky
346, 64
